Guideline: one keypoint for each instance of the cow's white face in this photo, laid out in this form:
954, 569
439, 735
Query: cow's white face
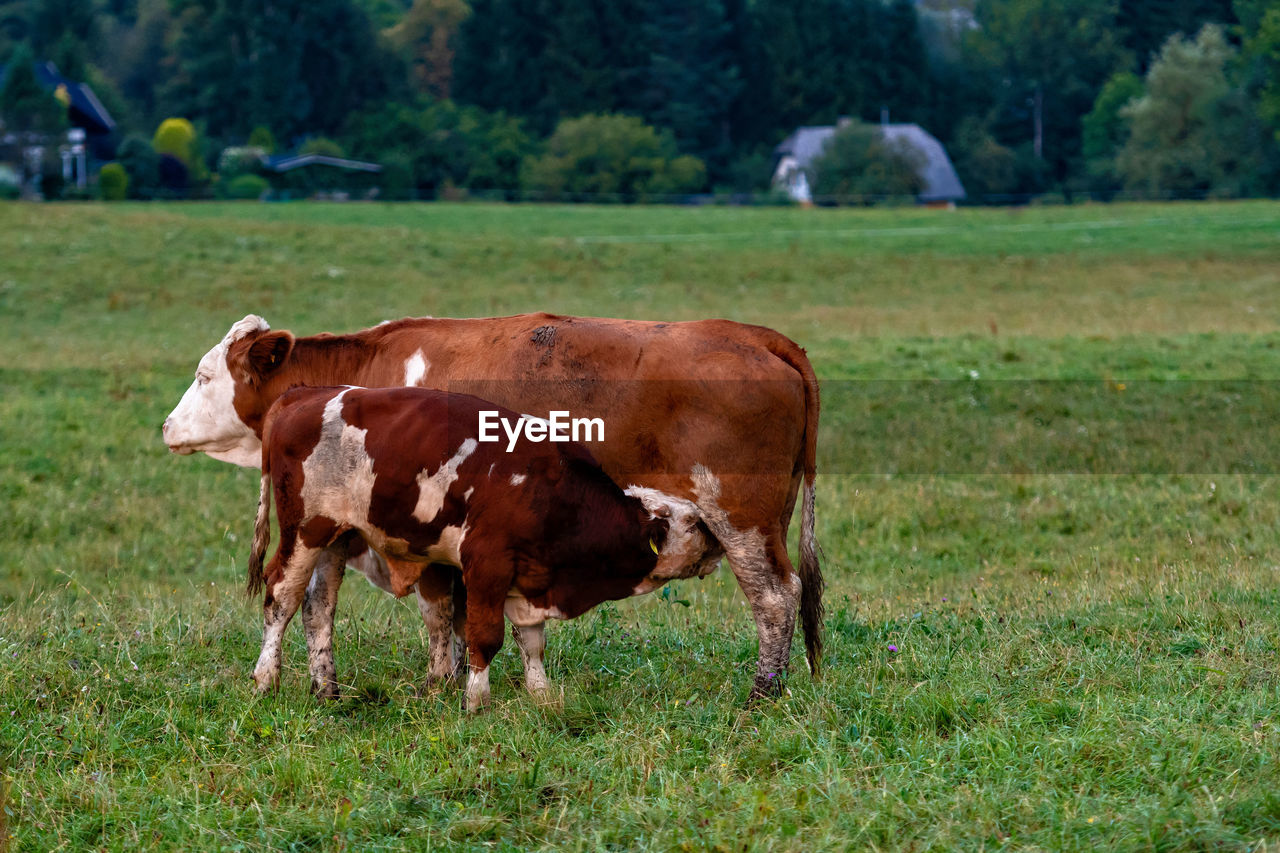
205, 419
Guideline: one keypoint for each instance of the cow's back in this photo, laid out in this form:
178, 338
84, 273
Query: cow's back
712, 393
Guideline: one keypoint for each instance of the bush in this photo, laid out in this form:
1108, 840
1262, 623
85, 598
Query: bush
261, 137
612, 155
52, 183
175, 178
177, 138
247, 187
141, 164
240, 160
322, 146
113, 182
10, 183
859, 161
442, 143
397, 178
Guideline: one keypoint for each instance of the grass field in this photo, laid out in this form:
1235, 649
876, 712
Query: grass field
1018, 657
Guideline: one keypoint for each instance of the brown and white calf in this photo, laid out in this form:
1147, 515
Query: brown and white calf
538, 531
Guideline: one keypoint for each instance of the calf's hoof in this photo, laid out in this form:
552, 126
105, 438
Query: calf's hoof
430, 685
324, 692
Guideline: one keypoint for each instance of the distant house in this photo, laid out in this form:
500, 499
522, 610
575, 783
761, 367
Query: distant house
320, 174
797, 152
91, 135
281, 163
84, 110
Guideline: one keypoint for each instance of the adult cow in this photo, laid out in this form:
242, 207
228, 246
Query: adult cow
717, 412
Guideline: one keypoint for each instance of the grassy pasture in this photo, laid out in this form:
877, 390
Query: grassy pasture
1030, 658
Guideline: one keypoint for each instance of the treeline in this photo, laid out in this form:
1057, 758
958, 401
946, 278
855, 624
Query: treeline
646, 97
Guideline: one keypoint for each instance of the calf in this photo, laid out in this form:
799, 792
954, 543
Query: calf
538, 532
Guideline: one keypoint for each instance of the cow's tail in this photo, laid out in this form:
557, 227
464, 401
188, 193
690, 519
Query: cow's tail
811, 582
261, 533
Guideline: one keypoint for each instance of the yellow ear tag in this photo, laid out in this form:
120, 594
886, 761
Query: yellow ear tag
653, 547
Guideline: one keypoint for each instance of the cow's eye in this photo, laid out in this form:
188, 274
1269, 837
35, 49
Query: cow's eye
201, 379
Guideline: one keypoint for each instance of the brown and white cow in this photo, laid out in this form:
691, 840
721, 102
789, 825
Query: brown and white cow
716, 412
537, 528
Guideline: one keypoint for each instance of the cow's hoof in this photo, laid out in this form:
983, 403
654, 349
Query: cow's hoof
547, 697
766, 688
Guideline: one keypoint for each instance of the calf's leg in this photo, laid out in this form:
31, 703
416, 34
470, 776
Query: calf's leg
459, 625
287, 576
435, 602
532, 640
318, 606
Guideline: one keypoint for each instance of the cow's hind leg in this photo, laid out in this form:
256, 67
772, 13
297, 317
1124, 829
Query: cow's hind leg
772, 588
318, 606
287, 576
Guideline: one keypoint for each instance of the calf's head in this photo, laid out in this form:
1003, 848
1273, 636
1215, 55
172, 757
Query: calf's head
689, 549
221, 413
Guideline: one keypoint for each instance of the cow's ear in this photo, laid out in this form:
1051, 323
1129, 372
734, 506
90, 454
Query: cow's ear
266, 354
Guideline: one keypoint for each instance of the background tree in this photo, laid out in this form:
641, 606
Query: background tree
436, 144
1183, 136
860, 163
139, 60
1044, 62
1146, 24
612, 157
692, 78
427, 37
301, 66
25, 105
1104, 129
988, 170
1262, 47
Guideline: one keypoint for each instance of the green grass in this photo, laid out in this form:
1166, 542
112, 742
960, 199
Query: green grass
1082, 661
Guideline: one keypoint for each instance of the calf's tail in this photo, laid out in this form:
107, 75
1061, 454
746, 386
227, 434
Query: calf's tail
261, 535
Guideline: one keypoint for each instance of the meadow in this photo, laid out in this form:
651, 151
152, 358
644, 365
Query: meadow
1068, 644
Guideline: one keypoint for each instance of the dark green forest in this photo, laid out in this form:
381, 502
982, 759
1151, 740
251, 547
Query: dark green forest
1153, 98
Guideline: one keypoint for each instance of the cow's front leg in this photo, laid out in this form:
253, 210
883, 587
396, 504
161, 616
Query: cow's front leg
318, 607
484, 639
435, 603
287, 580
532, 640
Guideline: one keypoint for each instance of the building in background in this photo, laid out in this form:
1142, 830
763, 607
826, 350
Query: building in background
796, 153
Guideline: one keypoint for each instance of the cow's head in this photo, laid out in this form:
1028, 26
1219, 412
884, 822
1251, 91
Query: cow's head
222, 410
689, 549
